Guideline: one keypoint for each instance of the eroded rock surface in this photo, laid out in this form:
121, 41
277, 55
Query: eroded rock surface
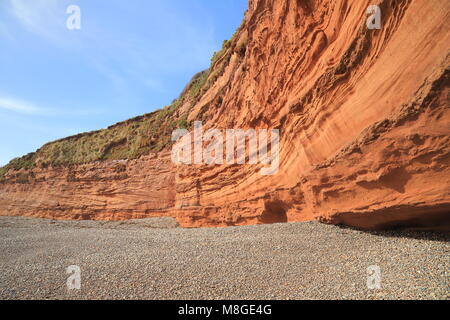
363, 117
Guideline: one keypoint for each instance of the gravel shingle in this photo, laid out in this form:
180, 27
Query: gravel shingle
153, 259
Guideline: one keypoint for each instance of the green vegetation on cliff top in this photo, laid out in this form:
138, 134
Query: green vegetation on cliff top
126, 140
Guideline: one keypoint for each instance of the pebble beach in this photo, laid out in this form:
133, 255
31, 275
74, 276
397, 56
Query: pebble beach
155, 259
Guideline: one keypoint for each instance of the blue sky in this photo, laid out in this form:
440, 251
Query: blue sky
130, 57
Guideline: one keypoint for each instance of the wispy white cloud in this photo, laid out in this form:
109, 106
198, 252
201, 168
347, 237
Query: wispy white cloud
120, 55
20, 106
37, 16
29, 108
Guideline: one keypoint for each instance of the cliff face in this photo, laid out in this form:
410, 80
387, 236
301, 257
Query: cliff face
109, 190
363, 117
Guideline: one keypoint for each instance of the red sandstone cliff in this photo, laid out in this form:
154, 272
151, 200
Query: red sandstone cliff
363, 117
